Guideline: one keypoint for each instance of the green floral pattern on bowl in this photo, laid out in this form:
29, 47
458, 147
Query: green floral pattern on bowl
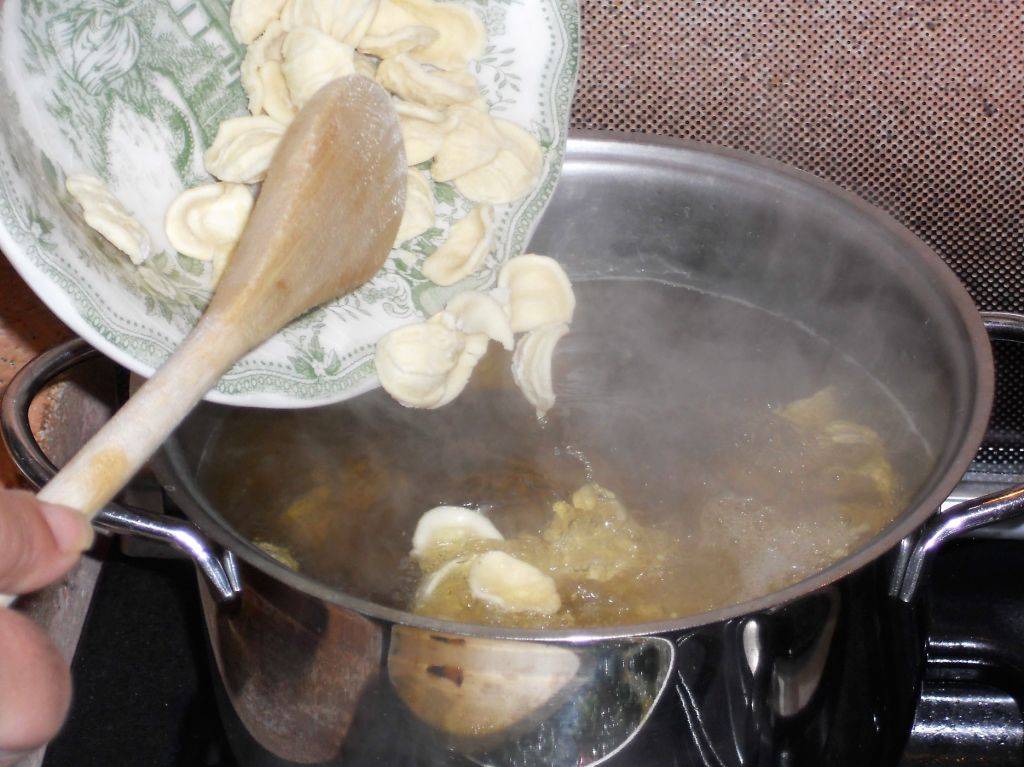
133, 91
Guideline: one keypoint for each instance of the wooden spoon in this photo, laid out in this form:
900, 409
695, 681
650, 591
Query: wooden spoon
324, 223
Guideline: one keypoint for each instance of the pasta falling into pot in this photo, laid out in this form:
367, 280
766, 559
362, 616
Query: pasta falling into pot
420, 51
428, 364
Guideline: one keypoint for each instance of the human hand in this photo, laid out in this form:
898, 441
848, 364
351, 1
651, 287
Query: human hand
39, 542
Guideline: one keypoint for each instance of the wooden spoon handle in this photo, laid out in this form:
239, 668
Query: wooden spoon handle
110, 459
117, 451
325, 221
106, 463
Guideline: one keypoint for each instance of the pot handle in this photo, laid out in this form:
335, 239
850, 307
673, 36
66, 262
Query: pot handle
966, 516
32, 462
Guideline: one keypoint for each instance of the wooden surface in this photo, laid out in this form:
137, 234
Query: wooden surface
27, 328
61, 416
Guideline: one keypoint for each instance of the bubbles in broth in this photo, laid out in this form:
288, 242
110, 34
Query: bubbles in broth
735, 453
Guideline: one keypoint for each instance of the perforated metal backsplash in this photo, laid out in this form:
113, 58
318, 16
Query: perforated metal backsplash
916, 106
1003, 450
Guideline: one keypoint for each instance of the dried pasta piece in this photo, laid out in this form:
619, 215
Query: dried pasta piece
472, 142
469, 242
104, 212
262, 78
417, 111
399, 41
311, 59
422, 139
366, 66
475, 348
243, 148
475, 312
428, 364
531, 365
414, 361
512, 173
250, 18
419, 207
205, 222
539, 292
344, 20
277, 100
412, 81
461, 36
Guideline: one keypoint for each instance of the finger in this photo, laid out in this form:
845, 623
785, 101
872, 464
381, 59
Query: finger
39, 542
35, 685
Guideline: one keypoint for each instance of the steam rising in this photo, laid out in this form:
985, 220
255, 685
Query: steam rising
663, 396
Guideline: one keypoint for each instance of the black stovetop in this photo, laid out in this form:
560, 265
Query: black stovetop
144, 695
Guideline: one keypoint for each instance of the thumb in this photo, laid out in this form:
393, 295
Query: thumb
35, 686
39, 542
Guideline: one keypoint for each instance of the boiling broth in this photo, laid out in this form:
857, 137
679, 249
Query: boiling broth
668, 397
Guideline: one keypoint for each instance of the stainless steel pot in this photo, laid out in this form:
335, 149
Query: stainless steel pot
311, 675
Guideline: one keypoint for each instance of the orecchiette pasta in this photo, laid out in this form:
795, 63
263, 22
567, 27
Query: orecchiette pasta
531, 365
444, 525
412, 81
249, 18
417, 111
511, 174
475, 312
472, 142
310, 60
460, 37
104, 212
468, 244
401, 40
206, 221
414, 361
422, 138
277, 101
512, 585
475, 348
243, 148
262, 78
421, 365
366, 66
539, 292
344, 20
419, 207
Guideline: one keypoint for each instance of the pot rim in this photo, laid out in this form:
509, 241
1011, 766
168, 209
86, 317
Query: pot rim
944, 479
